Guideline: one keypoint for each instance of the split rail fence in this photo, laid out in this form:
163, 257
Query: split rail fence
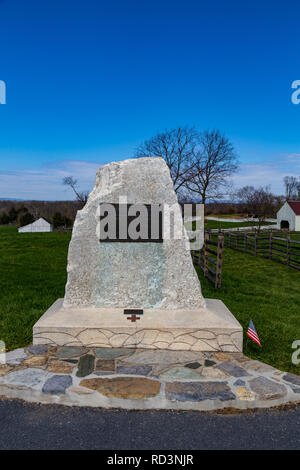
210, 259
282, 250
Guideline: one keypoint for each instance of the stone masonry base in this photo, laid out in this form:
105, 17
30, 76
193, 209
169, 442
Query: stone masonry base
213, 328
144, 379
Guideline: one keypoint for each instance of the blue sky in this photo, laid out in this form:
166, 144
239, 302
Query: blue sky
87, 81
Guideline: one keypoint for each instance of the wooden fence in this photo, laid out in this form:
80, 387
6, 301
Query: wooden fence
210, 259
266, 245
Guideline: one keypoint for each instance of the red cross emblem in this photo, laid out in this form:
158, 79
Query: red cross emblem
134, 314
133, 318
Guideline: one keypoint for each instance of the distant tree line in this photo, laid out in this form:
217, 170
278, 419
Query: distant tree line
59, 213
201, 164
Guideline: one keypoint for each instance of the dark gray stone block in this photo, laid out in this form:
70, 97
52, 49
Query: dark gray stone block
196, 391
136, 370
232, 369
57, 384
267, 389
86, 365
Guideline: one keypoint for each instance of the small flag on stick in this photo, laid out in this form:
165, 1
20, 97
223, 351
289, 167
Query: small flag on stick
252, 333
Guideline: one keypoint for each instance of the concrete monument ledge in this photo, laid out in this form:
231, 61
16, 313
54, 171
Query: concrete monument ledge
207, 329
138, 379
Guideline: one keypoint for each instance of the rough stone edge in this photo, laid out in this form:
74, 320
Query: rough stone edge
160, 402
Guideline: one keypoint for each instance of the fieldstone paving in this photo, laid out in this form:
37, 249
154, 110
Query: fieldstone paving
34, 361
193, 365
124, 387
184, 391
57, 384
60, 367
245, 394
86, 365
294, 379
214, 373
106, 353
106, 365
208, 363
38, 349
232, 369
27, 378
266, 389
70, 352
162, 356
136, 370
239, 383
144, 378
15, 357
176, 373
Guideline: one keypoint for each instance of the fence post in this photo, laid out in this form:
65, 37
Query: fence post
205, 254
255, 244
288, 244
220, 252
270, 245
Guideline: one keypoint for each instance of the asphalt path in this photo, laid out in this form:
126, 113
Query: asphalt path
33, 426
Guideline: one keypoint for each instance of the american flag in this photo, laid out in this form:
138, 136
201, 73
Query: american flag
252, 333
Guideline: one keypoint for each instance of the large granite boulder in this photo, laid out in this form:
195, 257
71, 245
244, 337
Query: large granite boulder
135, 294
139, 275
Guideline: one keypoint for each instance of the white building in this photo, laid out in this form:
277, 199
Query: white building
40, 225
289, 216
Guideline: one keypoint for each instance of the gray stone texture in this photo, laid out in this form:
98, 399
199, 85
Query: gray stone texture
135, 370
162, 357
292, 378
26, 378
108, 353
232, 369
103, 274
68, 352
38, 349
180, 373
267, 389
57, 384
195, 391
15, 357
239, 383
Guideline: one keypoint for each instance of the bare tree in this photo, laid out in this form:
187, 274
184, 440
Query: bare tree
292, 187
81, 196
177, 147
215, 162
260, 202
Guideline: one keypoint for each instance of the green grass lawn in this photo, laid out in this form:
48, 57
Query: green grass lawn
33, 276
268, 293
221, 224
228, 216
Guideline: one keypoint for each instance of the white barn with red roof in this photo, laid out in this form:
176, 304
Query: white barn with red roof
289, 216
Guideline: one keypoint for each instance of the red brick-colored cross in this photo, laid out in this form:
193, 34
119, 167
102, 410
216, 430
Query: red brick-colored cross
133, 318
